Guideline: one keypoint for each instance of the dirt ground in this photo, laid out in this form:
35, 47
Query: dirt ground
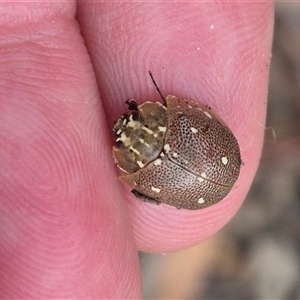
256, 256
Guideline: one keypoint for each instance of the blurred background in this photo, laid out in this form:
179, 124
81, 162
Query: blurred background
256, 255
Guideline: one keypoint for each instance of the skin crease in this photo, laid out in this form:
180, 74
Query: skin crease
69, 227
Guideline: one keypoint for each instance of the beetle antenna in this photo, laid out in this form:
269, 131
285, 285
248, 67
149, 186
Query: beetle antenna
157, 88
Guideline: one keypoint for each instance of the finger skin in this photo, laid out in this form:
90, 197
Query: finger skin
62, 233
214, 53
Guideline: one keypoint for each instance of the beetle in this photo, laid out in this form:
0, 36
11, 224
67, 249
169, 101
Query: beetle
178, 152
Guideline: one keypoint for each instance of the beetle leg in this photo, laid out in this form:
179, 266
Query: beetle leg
145, 198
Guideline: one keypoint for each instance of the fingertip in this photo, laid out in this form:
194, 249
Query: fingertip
218, 58
164, 228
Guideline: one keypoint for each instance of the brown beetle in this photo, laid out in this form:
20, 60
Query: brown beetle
180, 152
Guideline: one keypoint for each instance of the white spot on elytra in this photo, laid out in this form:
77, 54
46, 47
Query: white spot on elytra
157, 162
134, 150
123, 138
119, 131
207, 114
198, 48
147, 129
224, 160
167, 148
175, 154
200, 200
154, 189
132, 123
212, 26
162, 129
143, 142
203, 174
140, 163
194, 130
200, 179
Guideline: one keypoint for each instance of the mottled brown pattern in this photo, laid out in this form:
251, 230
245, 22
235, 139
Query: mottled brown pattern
142, 146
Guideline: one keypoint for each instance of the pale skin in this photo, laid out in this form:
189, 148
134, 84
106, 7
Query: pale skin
69, 227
